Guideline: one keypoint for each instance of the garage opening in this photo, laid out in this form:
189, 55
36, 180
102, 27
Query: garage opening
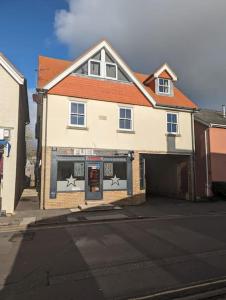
168, 175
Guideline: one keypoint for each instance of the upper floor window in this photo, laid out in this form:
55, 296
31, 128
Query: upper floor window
164, 86
125, 118
172, 123
102, 65
77, 114
94, 67
111, 70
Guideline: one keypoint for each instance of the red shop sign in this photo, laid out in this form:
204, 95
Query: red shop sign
94, 158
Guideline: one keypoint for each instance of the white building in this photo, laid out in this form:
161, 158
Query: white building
14, 116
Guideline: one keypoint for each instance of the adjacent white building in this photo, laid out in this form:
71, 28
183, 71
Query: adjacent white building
14, 116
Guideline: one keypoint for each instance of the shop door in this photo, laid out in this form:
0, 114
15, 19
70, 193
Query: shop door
94, 180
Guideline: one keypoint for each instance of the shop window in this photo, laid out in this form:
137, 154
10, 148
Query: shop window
70, 176
115, 176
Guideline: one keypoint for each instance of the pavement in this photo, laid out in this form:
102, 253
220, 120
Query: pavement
28, 213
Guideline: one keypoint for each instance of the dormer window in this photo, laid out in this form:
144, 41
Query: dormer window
164, 86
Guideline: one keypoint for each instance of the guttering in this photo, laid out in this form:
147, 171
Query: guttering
217, 125
210, 125
177, 108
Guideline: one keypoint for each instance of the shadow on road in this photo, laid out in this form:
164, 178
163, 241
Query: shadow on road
48, 265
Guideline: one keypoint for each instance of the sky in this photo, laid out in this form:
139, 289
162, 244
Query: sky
189, 35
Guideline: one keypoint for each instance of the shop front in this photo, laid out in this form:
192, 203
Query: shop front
92, 175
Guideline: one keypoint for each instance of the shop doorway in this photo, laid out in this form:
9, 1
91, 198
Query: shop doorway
94, 181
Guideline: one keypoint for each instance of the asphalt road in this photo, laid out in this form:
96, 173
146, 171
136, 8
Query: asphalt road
112, 260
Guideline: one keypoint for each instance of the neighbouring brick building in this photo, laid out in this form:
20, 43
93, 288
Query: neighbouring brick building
108, 134
210, 137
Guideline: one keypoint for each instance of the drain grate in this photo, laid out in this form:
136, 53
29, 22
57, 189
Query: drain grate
22, 237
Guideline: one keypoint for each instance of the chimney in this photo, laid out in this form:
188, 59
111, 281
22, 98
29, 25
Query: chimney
224, 110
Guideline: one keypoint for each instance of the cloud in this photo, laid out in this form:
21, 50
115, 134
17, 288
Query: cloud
189, 35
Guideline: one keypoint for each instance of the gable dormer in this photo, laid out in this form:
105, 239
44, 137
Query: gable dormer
162, 81
102, 65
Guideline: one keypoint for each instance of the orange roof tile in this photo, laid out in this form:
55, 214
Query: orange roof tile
105, 90
49, 68
178, 99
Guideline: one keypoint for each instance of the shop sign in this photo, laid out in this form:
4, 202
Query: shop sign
94, 158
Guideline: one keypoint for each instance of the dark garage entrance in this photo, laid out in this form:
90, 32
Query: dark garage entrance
168, 175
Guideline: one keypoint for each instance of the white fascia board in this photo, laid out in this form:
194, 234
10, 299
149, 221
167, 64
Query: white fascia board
11, 71
165, 67
87, 56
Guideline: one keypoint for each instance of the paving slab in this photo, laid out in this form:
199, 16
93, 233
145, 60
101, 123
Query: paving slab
28, 220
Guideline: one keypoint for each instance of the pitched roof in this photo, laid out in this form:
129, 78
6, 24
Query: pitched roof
49, 67
177, 100
11, 69
210, 117
106, 90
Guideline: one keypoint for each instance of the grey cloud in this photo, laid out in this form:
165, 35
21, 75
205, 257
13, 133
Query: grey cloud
189, 35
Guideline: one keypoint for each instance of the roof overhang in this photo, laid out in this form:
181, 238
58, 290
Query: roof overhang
166, 68
210, 125
178, 108
11, 69
77, 63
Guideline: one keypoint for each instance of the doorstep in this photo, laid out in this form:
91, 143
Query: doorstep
97, 206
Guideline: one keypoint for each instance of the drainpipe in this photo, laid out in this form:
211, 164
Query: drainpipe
207, 166
193, 156
43, 96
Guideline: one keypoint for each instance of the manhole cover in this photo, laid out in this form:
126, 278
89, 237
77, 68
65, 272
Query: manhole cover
22, 236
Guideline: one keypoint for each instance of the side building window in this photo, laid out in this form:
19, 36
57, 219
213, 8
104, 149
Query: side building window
115, 175
172, 123
70, 176
77, 114
125, 118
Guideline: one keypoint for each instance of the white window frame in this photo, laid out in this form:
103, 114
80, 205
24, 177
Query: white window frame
169, 86
131, 109
103, 67
172, 113
116, 70
77, 125
89, 67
